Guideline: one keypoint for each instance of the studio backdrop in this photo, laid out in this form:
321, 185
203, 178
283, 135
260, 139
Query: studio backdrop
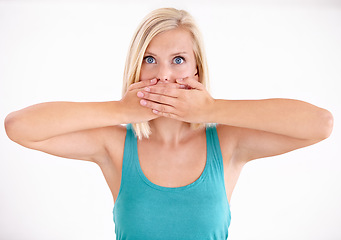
76, 51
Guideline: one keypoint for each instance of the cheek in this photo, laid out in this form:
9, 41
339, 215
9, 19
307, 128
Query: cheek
147, 73
185, 71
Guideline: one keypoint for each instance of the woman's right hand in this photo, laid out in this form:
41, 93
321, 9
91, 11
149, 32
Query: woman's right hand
134, 112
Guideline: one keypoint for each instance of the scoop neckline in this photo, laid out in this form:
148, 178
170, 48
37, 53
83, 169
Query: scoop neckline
173, 189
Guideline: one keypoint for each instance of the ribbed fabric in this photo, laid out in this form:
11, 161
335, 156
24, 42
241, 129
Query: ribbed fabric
146, 211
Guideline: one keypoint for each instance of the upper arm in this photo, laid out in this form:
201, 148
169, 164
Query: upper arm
250, 144
88, 145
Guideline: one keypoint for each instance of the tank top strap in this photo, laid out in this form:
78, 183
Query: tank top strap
214, 150
129, 169
130, 146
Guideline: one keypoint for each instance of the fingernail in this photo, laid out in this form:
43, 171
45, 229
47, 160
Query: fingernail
155, 111
147, 89
140, 94
182, 86
153, 80
143, 102
180, 80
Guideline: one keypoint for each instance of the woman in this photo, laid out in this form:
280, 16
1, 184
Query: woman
171, 174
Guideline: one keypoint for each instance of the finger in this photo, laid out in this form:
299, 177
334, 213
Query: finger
168, 85
157, 106
163, 114
171, 92
142, 84
191, 83
157, 98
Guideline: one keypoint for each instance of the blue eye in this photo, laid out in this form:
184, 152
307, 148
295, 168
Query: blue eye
178, 60
149, 59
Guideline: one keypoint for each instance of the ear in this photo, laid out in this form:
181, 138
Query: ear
196, 76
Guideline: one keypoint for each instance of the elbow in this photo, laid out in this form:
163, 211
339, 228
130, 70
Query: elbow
326, 124
11, 127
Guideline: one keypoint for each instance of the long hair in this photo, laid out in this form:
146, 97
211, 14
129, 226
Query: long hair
158, 21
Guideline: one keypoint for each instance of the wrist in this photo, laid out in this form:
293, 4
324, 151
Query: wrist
122, 112
209, 115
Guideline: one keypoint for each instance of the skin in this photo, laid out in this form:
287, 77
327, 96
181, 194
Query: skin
169, 96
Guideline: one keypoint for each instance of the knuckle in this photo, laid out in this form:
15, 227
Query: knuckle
157, 107
149, 104
159, 98
146, 95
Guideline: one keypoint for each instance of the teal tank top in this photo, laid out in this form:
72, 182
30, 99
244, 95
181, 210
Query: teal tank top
144, 210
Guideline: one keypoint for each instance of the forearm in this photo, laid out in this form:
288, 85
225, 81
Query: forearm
46, 120
288, 117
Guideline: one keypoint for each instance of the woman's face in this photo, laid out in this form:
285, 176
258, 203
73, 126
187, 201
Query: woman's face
169, 56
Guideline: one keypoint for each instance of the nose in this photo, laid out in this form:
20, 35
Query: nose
164, 73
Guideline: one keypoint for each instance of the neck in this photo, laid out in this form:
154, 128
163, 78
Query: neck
169, 131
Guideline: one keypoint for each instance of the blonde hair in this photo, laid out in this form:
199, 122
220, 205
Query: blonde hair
158, 21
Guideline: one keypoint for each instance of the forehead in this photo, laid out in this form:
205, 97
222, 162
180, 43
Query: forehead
175, 40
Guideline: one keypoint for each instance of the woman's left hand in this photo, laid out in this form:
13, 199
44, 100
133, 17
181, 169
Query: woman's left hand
190, 102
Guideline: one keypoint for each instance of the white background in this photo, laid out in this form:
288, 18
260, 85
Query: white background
75, 51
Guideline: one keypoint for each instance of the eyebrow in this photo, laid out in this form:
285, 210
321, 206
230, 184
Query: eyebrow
174, 54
